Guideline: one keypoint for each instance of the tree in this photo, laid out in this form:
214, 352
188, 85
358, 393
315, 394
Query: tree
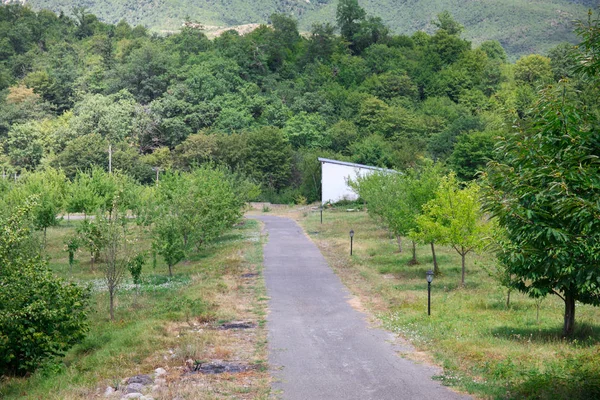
455, 218
446, 22
168, 240
544, 190
24, 146
50, 187
83, 154
422, 184
116, 258
533, 70
41, 316
472, 152
348, 16
268, 158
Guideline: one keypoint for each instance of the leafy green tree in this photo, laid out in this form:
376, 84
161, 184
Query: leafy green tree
533, 70
50, 187
195, 150
268, 157
455, 218
24, 146
471, 153
446, 21
92, 238
322, 43
544, 189
146, 72
494, 50
41, 316
373, 150
348, 16
589, 32
306, 130
83, 154
81, 197
168, 240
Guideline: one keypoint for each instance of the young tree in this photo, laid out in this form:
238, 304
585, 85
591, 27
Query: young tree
544, 191
50, 187
168, 240
423, 183
115, 253
455, 218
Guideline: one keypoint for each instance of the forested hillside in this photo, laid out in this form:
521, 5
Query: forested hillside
265, 104
521, 26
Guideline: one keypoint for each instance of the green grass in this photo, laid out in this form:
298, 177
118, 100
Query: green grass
484, 347
149, 323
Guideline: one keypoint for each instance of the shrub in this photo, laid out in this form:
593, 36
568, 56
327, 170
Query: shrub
41, 316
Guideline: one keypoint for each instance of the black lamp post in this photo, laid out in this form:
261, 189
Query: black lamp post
429, 276
351, 236
321, 213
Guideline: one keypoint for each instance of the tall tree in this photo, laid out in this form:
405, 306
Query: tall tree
544, 190
348, 16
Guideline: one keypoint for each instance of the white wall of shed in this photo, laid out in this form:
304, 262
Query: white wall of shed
334, 179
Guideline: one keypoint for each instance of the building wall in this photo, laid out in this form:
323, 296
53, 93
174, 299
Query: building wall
333, 181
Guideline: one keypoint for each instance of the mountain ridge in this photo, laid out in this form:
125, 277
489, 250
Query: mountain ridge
522, 27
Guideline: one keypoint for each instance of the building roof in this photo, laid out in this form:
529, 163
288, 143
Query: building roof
349, 164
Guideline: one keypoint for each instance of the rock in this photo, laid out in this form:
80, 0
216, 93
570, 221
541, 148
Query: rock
133, 388
143, 379
109, 391
134, 396
159, 381
160, 372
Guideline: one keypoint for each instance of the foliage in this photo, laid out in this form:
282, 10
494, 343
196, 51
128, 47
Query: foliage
41, 316
543, 190
494, 20
193, 209
49, 187
455, 218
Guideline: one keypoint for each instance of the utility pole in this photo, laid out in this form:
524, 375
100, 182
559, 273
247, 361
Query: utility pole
110, 158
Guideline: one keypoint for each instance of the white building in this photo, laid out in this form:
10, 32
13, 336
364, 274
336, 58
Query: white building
334, 179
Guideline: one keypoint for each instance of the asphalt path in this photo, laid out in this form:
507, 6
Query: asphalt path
319, 346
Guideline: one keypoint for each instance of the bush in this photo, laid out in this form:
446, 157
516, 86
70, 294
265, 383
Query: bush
41, 316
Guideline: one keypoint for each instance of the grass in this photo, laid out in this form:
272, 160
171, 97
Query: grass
484, 347
168, 322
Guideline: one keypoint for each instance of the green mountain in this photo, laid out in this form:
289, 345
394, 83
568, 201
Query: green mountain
521, 26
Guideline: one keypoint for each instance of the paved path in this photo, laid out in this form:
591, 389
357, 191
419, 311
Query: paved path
319, 346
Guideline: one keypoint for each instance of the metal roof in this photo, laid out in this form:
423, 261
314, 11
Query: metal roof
349, 164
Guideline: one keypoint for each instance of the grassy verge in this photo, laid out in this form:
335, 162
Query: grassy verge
164, 323
485, 347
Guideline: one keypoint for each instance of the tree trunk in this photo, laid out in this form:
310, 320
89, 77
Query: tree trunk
111, 296
436, 269
399, 239
92, 265
463, 255
170, 270
414, 253
45, 237
569, 326
508, 298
